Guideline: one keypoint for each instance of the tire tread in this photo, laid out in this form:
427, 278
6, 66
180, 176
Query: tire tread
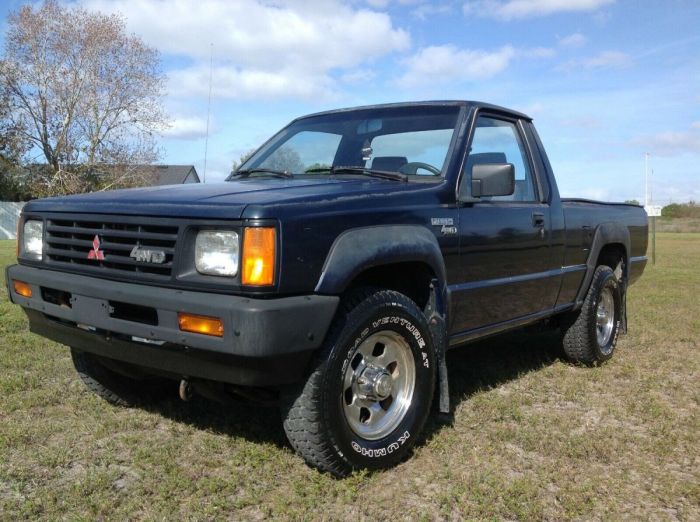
302, 413
579, 341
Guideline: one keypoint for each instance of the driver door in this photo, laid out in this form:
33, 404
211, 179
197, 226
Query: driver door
504, 250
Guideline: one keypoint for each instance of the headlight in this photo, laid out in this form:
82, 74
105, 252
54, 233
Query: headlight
32, 239
216, 252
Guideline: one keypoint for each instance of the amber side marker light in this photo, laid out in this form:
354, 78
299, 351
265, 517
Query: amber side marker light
22, 288
259, 244
200, 324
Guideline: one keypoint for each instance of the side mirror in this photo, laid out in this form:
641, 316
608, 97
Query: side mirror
493, 179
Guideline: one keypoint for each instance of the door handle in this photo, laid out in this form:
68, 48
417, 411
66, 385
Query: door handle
537, 219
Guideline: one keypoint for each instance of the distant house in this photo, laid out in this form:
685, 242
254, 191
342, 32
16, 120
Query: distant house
175, 174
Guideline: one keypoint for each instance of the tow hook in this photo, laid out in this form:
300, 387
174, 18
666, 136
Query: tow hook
185, 390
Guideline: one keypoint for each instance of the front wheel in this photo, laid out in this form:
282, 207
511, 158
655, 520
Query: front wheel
369, 394
590, 336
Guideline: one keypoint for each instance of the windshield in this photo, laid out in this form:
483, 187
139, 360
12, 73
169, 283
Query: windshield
412, 141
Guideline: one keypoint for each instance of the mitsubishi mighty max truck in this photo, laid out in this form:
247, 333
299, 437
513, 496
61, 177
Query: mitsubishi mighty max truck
332, 272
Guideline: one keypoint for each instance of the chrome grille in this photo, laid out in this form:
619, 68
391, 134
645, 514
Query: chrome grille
69, 243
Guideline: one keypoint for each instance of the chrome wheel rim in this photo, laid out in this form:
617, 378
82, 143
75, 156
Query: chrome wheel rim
605, 319
378, 385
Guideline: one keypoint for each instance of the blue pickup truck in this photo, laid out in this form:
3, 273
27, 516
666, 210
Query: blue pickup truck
331, 273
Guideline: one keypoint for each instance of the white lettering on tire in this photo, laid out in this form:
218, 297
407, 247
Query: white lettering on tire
410, 327
381, 452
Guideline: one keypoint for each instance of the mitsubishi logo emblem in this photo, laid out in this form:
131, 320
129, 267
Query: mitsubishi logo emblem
96, 253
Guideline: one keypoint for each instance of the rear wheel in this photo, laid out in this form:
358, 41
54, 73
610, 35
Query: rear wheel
369, 394
117, 383
590, 336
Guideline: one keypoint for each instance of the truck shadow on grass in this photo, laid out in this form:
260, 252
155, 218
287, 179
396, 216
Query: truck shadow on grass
472, 368
237, 418
489, 363
492, 362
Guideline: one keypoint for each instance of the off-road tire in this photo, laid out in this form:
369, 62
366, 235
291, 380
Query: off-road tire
313, 414
115, 388
579, 330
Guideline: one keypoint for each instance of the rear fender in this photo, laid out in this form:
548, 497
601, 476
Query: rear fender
605, 234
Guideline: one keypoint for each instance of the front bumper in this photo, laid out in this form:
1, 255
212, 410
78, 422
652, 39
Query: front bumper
266, 342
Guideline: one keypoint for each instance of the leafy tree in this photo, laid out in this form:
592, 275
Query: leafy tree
85, 94
682, 210
632, 201
318, 166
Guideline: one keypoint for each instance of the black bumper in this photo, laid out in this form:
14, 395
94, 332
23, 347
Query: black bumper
266, 342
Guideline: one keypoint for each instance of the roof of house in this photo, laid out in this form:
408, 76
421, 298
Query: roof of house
173, 174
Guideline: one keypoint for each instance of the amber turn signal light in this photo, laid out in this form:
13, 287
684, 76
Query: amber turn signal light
200, 324
22, 288
259, 244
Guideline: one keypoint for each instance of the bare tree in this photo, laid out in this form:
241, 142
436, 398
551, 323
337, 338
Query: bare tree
285, 158
242, 159
13, 146
85, 93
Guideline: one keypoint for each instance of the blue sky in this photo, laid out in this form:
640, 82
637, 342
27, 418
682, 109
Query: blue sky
604, 80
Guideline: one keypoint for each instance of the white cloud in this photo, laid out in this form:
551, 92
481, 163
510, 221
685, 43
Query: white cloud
516, 9
573, 40
441, 63
597, 193
358, 76
533, 109
538, 52
607, 59
438, 64
186, 127
271, 47
424, 10
603, 60
671, 143
582, 122
695, 125
247, 84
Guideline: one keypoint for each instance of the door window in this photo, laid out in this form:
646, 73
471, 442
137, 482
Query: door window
498, 141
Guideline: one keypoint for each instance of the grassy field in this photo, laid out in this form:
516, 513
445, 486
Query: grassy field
664, 224
534, 438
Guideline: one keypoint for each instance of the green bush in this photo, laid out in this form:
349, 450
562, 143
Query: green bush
681, 210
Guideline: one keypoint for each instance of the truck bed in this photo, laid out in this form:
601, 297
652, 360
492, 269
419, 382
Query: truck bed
582, 216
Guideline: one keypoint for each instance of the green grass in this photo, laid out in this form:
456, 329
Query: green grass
534, 437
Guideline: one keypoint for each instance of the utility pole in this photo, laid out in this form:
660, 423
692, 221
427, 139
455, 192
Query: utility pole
651, 211
646, 179
653, 230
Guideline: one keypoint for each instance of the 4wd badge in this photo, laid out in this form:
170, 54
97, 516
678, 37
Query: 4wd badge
145, 255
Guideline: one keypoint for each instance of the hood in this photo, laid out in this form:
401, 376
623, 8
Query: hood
226, 200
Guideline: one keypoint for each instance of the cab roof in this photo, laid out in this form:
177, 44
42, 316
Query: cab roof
458, 103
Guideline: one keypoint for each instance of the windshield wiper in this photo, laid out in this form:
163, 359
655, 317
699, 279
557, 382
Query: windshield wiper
362, 171
245, 173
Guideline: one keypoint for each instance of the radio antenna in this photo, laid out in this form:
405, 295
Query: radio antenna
206, 139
